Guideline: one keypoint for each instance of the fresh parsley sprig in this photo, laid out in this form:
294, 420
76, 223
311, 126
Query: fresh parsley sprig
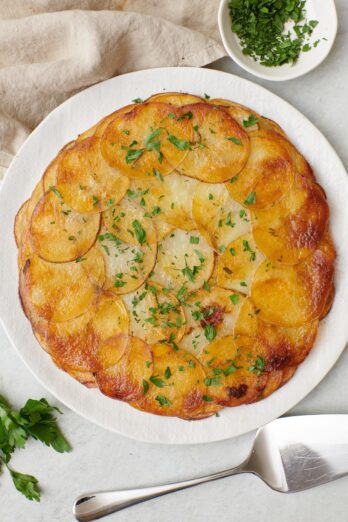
35, 420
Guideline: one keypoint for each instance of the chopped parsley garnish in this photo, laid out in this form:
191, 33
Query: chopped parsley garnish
163, 401
262, 29
138, 100
133, 154
118, 283
247, 248
145, 386
209, 332
206, 96
258, 365
207, 398
95, 201
252, 120
234, 140
210, 197
233, 179
233, 251
167, 373
140, 233
179, 144
55, 191
80, 259
251, 199
157, 381
187, 115
234, 298
212, 381
194, 240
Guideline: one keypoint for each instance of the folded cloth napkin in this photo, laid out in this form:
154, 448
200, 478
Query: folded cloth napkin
51, 49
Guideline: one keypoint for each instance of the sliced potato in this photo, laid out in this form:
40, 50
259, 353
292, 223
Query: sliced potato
49, 178
61, 291
163, 229
96, 339
222, 146
85, 181
235, 369
275, 381
183, 262
247, 119
124, 380
127, 265
168, 199
288, 346
210, 314
268, 174
217, 216
121, 221
293, 295
291, 229
268, 124
155, 314
178, 99
60, 234
176, 386
99, 128
236, 266
150, 140
34, 198
21, 222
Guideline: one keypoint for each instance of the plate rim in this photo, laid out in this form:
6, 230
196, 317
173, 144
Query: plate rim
188, 73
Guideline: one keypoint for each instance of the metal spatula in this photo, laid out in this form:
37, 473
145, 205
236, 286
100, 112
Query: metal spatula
289, 454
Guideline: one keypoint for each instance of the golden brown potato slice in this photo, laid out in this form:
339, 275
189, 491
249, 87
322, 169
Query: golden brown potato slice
168, 199
125, 380
247, 119
176, 386
128, 265
275, 380
268, 174
60, 234
293, 295
288, 346
291, 229
221, 147
217, 216
34, 198
182, 261
151, 140
210, 314
155, 314
235, 369
96, 339
49, 177
236, 266
178, 99
98, 128
61, 291
21, 222
122, 220
268, 124
85, 181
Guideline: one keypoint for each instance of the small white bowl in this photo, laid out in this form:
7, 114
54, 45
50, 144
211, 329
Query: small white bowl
324, 11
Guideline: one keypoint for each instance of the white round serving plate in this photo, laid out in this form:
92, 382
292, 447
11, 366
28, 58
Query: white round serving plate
323, 11
77, 114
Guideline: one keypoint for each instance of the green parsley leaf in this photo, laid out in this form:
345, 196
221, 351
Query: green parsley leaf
212, 381
145, 386
234, 140
167, 373
252, 120
138, 100
251, 199
55, 191
179, 144
234, 298
194, 240
133, 154
140, 233
157, 381
209, 332
164, 402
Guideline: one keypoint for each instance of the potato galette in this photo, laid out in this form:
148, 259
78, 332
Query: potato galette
177, 256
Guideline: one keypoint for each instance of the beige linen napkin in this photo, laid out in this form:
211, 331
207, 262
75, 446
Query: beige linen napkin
51, 49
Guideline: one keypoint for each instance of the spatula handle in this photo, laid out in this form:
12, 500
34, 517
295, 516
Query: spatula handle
96, 505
